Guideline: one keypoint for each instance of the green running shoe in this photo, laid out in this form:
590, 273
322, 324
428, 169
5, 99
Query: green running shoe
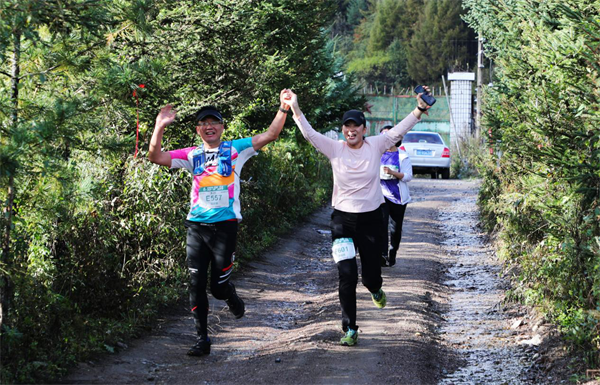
350, 339
379, 299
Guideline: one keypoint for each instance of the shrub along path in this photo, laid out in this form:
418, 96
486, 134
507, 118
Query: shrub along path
291, 329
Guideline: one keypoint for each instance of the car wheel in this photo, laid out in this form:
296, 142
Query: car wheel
446, 173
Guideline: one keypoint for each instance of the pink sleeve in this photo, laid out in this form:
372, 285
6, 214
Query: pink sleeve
325, 145
179, 158
181, 153
400, 129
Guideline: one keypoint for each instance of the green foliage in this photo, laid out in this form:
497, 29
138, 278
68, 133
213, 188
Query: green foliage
543, 194
382, 67
356, 10
290, 175
394, 20
467, 159
410, 41
442, 42
97, 243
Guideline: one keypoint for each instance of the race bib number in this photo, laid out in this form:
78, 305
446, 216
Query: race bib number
383, 175
343, 248
213, 197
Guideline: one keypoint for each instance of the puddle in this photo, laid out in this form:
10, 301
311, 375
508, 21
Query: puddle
476, 327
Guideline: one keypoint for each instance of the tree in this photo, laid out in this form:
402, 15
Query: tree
356, 11
411, 41
378, 56
42, 39
542, 194
441, 41
394, 21
383, 68
92, 253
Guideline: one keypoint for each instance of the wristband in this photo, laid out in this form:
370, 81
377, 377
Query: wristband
283, 110
421, 109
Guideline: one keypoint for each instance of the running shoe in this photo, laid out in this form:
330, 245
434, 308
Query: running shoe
379, 299
350, 339
201, 347
236, 305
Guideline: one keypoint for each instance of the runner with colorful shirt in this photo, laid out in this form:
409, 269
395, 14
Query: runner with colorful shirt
212, 221
395, 173
215, 193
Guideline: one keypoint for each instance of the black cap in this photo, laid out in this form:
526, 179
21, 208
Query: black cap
356, 116
388, 127
208, 111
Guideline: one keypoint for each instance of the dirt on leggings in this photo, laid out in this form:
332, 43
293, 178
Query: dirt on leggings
291, 330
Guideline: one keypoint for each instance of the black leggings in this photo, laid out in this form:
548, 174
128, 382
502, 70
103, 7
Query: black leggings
212, 244
366, 231
395, 213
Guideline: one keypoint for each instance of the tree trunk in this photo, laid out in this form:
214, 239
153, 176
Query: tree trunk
5, 282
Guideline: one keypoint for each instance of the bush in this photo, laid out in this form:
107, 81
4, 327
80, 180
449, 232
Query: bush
467, 158
542, 195
97, 242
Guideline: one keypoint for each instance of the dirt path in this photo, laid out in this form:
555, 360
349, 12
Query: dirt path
291, 329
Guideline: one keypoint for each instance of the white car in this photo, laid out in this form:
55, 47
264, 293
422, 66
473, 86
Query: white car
428, 153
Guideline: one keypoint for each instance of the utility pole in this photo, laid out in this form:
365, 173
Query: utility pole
479, 85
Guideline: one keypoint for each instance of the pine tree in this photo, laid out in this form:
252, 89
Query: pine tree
85, 232
394, 20
44, 41
440, 42
355, 12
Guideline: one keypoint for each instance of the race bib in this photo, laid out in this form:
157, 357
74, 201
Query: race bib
213, 197
383, 175
343, 248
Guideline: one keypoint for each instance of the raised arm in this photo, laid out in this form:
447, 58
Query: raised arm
155, 153
272, 133
291, 100
400, 129
322, 143
421, 105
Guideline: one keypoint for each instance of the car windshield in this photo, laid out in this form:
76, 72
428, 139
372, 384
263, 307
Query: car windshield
422, 138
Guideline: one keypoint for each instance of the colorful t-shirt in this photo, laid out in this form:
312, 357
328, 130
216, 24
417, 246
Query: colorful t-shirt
214, 197
394, 189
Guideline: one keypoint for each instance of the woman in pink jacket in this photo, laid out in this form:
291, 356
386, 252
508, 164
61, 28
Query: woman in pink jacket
357, 221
